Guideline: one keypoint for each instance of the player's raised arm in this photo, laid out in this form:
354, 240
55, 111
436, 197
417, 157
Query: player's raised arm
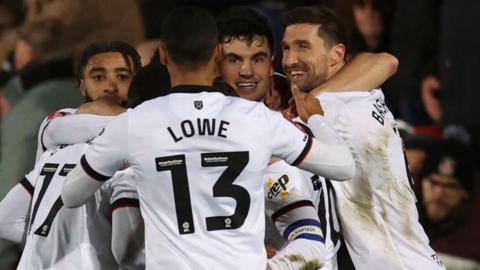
329, 155
104, 157
364, 72
87, 122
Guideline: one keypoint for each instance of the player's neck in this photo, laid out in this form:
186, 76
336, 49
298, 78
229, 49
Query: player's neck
204, 76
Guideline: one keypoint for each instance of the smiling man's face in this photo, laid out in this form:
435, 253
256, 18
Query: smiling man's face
247, 66
305, 57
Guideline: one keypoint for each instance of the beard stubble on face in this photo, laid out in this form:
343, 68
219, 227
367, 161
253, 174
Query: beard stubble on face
112, 97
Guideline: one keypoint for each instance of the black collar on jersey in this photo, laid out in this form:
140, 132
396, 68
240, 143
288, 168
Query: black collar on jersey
192, 89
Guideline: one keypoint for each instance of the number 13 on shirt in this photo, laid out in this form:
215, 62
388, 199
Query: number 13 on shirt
223, 187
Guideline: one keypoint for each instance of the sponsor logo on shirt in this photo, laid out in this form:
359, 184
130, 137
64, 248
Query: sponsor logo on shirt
278, 188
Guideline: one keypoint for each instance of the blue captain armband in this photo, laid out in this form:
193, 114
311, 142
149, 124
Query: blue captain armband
309, 229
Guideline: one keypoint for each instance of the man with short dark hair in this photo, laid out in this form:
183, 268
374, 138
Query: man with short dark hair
199, 169
377, 207
247, 46
95, 236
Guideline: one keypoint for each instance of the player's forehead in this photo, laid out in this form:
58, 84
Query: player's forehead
301, 32
246, 47
107, 61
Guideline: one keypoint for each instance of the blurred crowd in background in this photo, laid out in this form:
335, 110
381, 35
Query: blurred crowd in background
433, 94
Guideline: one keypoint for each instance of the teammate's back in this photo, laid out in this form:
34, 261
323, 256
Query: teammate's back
60, 237
198, 158
195, 199
377, 207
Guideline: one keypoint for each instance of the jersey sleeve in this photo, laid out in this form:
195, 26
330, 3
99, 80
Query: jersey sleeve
73, 128
287, 139
109, 151
289, 204
43, 145
124, 191
14, 213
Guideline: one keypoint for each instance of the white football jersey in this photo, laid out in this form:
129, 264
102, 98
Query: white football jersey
289, 189
377, 207
198, 157
41, 148
65, 238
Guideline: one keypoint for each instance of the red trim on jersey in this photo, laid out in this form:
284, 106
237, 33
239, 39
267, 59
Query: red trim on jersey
290, 207
27, 186
91, 172
295, 123
124, 202
305, 151
57, 114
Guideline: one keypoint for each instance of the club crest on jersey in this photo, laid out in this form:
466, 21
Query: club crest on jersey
198, 104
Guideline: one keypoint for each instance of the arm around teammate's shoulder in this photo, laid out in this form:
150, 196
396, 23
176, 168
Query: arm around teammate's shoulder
329, 154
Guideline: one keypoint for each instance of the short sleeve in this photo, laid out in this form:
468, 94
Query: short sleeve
284, 186
288, 140
108, 152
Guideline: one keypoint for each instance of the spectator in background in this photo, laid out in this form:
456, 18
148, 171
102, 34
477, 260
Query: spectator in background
411, 39
371, 25
447, 203
59, 32
450, 90
417, 148
44, 83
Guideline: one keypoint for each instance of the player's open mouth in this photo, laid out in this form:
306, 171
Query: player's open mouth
295, 75
246, 85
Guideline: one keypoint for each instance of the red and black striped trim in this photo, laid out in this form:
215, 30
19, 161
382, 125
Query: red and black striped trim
306, 129
91, 172
27, 186
290, 207
305, 151
124, 202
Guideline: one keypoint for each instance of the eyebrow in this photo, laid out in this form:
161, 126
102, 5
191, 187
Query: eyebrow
102, 69
301, 41
123, 69
264, 54
296, 42
258, 54
97, 69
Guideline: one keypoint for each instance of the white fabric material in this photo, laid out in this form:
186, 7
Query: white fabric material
302, 185
150, 139
75, 128
77, 238
14, 214
128, 238
377, 207
66, 127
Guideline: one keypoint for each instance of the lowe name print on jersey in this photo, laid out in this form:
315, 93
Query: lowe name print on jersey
202, 127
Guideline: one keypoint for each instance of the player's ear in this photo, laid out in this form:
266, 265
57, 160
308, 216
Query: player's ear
337, 54
163, 54
218, 53
82, 88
